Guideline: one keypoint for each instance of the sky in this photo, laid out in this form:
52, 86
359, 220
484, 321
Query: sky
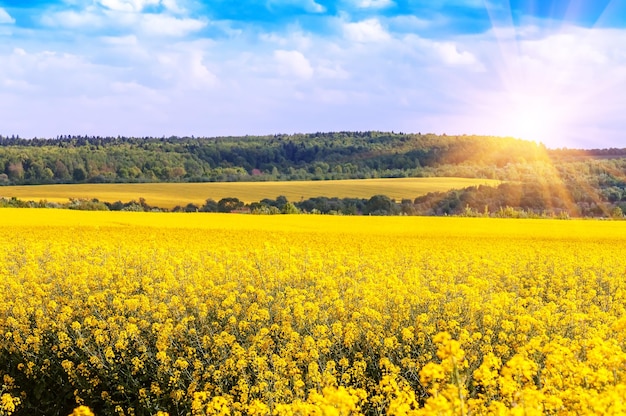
549, 71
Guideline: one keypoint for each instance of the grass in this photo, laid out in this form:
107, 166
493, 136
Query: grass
168, 195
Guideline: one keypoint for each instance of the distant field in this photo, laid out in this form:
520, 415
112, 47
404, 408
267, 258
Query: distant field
168, 195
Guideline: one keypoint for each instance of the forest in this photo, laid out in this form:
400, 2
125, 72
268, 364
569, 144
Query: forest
540, 181
318, 156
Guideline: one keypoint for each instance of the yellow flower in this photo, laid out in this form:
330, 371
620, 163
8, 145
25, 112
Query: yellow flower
8, 403
82, 411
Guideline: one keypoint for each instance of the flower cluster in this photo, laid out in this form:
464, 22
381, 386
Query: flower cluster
311, 315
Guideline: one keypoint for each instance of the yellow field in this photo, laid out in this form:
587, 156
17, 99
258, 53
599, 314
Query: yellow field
202, 314
168, 195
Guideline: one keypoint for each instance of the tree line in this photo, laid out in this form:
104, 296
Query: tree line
528, 200
317, 156
581, 182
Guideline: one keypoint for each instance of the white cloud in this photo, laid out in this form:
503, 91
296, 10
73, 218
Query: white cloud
201, 75
313, 7
128, 5
125, 51
568, 58
50, 73
173, 6
450, 54
140, 75
124, 41
183, 67
293, 63
409, 23
163, 25
479, 4
373, 4
17, 84
369, 30
74, 20
332, 71
153, 24
5, 17
128, 88
310, 6
567, 48
293, 39
556, 86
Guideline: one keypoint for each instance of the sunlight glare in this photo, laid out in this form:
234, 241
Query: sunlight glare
554, 85
533, 117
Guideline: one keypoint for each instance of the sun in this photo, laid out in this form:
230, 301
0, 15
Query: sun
530, 106
533, 116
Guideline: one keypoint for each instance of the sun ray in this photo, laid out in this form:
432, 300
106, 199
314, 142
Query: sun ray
516, 75
588, 190
547, 103
546, 77
545, 87
610, 9
503, 28
602, 13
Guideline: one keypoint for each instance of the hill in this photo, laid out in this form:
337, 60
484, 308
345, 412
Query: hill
343, 155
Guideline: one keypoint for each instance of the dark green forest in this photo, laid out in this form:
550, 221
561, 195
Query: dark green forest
319, 156
540, 181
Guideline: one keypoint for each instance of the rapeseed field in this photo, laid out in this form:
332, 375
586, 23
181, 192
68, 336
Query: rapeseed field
208, 314
168, 195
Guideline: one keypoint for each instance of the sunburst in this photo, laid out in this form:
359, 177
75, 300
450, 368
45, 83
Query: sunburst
544, 90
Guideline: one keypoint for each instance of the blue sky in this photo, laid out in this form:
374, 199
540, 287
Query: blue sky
549, 71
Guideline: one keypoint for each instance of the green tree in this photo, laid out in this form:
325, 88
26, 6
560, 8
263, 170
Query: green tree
47, 175
290, 208
209, 206
79, 175
229, 204
380, 205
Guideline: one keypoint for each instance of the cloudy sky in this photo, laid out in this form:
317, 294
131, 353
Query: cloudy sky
553, 71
